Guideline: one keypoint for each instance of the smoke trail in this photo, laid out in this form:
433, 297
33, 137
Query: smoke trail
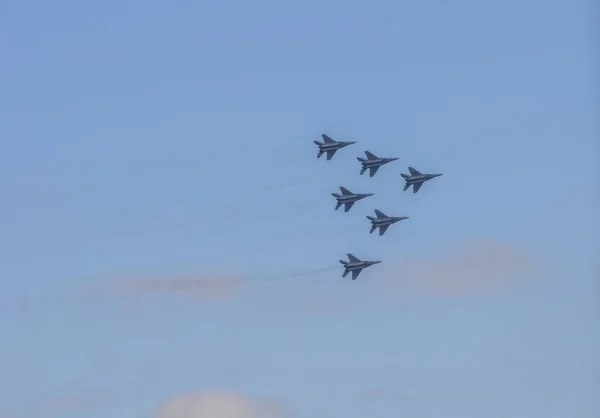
301, 273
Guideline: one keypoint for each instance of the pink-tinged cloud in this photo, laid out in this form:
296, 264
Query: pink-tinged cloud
216, 404
478, 265
203, 287
199, 287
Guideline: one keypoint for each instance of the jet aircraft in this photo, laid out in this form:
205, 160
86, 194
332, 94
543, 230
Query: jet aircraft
372, 162
355, 266
347, 198
382, 221
416, 179
330, 146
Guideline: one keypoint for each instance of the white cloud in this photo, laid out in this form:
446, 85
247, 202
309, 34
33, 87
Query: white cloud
219, 405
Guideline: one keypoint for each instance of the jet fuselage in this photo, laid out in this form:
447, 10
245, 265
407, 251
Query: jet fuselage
386, 221
359, 265
328, 146
367, 163
343, 198
421, 178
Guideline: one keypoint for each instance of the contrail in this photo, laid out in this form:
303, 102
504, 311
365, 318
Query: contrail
302, 273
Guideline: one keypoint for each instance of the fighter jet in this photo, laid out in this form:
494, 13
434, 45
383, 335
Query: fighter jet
416, 179
330, 146
347, 198
382, 221
372, 162
355, 266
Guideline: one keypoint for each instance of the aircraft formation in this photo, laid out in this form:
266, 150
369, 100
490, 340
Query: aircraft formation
347, 198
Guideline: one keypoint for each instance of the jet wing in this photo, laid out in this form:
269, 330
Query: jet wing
355, 274
416, 187
373, 170
348, 206
382, 229
370, 155
330, 154
344, 190
380, 214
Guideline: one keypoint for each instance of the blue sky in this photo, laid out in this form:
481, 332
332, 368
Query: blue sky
153, 141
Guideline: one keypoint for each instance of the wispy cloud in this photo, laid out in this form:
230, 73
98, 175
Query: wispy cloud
477, 265
216, 404
201, 287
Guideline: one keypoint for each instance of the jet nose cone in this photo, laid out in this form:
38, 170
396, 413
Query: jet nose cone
376, 262
394, 159
437, 175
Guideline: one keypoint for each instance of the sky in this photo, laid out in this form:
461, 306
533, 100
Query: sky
168, 241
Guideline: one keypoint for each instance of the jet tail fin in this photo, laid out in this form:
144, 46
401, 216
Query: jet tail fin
343, 262
318, 143
371, 218
406, 186
405, 175
380, 214
362, 160
414, 171
327, 139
